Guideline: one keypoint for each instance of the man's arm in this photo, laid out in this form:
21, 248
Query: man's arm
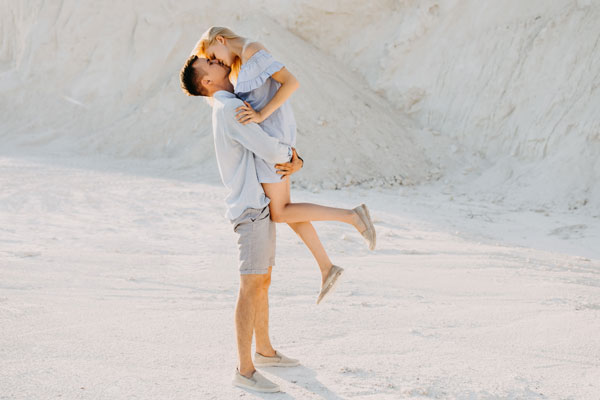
252, 137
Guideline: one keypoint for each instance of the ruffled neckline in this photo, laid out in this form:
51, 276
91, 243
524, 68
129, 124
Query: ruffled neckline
255, 72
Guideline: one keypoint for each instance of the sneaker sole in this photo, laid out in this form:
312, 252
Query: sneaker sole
275, 365
243, 386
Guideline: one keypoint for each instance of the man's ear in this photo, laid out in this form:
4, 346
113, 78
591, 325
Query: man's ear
220, 39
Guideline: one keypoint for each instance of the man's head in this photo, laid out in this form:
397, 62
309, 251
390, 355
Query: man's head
203, 77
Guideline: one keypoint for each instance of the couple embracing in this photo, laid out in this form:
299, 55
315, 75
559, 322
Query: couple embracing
255, 134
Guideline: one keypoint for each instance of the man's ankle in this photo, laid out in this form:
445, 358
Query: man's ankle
247, 372
267, 353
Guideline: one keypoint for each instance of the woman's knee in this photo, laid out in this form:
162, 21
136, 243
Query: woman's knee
278, 213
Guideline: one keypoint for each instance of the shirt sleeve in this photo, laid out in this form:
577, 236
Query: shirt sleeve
255, 139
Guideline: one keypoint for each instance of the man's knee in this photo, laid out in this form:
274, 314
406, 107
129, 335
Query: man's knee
266, 281
252, 284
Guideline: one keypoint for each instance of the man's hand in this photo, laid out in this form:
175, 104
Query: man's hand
289, 168
247, 114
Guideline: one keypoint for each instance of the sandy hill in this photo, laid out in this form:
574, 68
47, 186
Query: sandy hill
499, 100
514, 85
103, 78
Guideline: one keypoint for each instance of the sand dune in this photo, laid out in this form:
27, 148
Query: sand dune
514, 84
104, 79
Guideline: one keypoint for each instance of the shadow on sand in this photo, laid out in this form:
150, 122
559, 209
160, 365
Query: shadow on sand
301, 376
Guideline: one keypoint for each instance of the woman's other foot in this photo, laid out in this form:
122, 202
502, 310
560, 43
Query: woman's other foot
330, 282
366, 228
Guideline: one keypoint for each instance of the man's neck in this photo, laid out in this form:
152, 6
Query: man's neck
228, 87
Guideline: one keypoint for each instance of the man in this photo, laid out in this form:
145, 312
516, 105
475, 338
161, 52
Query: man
247, 207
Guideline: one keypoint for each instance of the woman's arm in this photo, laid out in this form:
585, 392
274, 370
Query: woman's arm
289, 84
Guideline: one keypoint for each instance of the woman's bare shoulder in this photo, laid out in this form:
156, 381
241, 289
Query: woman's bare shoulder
251, 49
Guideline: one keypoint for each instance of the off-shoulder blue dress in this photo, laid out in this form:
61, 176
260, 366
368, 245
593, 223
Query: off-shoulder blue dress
256, 86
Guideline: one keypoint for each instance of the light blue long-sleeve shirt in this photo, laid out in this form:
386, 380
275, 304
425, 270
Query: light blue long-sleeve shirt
235, 146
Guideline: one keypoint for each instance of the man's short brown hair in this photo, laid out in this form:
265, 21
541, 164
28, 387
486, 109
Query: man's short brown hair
191, 78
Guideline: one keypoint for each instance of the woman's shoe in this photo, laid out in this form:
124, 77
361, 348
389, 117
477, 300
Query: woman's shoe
330, 282
369, 233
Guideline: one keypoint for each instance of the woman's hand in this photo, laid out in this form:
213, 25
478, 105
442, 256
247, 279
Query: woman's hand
247, 114
289, 168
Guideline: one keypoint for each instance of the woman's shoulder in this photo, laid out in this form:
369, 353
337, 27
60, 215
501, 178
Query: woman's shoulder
256, 70
250, 49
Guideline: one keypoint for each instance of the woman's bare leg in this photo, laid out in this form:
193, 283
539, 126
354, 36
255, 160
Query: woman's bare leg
283, 210
279, 193
309, 236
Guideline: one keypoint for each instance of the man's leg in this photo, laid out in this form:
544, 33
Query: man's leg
261, 320
245, 315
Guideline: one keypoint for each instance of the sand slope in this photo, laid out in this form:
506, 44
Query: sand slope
102, 78
515, 85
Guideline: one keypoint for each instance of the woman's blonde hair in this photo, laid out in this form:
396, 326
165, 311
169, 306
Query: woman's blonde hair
210, 37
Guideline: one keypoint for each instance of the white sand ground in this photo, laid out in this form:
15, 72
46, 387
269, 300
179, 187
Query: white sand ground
118, 281
117, 270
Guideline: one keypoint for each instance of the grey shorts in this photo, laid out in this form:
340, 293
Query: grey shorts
256, 240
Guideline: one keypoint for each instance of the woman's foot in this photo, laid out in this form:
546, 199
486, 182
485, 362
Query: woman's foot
366, 229
325, 274
330, 282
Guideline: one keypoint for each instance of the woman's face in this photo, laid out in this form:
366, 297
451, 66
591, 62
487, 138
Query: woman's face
218, 51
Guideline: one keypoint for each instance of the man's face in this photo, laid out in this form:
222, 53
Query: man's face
213, 71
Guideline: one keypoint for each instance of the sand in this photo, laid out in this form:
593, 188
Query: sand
120, 283
470, 130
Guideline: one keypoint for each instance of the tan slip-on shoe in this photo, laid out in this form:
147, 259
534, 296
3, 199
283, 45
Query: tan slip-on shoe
255, 382
278, 360
330, 282
369, 233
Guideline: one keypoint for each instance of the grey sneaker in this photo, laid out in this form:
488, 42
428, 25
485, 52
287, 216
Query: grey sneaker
278, 360
255, 382
369, 233
330, 282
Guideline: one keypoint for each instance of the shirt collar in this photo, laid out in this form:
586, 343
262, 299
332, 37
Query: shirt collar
224, 93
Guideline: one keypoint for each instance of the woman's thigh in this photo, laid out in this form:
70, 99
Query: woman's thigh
279, 193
